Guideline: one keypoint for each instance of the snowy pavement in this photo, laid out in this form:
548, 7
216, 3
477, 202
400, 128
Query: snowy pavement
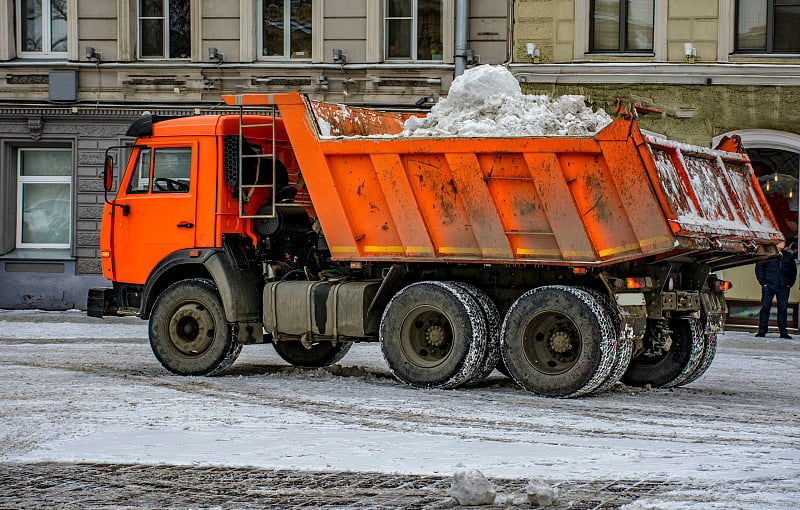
86, 390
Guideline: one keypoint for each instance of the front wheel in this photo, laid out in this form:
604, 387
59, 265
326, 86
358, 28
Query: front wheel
188, 331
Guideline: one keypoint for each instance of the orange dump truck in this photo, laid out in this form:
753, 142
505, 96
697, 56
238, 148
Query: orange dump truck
569, 263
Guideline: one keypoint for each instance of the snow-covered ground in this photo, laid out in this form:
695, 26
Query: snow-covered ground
83, 390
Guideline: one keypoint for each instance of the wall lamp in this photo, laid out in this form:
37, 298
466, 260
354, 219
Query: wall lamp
533, 52
215, 54
93, 55
339, 56
690, 51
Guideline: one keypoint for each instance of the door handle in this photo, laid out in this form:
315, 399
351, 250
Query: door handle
185, 225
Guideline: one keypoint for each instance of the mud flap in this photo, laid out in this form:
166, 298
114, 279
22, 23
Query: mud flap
714, 311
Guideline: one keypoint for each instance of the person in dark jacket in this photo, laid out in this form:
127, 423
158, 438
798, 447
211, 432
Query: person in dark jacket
776, 277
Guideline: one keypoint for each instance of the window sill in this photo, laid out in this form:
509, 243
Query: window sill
38, 254
285, 59
43, 56
647, 54
764, 57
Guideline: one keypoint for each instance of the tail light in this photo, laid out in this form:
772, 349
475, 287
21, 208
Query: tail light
721, 285
635, 283
632, 282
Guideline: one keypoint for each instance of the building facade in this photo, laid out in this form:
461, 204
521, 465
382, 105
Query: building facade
75, 73
703, 69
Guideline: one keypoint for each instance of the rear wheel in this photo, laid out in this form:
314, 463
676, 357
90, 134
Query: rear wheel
558, 341
491, 316
321, 354
433, 335
709, 351
624, 349
673, 350
188, 331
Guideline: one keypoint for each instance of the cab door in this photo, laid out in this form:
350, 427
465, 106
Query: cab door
160, 193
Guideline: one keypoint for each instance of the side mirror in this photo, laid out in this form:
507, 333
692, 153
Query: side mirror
108, 174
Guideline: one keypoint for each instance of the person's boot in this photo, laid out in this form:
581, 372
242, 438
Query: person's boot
786, 335
761, 333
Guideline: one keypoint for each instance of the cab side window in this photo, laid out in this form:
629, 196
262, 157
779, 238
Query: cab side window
171, 170
140, 180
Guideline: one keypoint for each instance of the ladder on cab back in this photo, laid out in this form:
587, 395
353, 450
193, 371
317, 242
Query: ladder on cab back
269, 154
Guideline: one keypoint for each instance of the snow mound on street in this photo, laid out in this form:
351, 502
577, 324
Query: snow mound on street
487, 101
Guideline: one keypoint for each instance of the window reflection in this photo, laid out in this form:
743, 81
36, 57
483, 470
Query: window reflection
413, 29
771, 26
622, 25
32, 26
279, 39
165, 29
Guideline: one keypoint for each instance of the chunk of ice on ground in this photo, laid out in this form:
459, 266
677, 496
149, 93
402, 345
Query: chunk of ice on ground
471, 487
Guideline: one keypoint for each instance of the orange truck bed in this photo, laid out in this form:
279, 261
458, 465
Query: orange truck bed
615, 196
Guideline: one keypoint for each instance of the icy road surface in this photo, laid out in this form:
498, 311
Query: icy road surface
83, 390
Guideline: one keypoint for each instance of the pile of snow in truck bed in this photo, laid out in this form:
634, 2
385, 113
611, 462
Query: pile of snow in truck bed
487, 101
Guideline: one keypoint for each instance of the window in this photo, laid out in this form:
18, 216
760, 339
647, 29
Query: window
413, 29
140, 180
621, 26
768, 26
171, 170
42, 27
164, 29
44, 198
286, 28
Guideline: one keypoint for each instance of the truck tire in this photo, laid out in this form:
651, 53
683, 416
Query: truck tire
433, 335
558, 341
321, 354
709, 351
491, 353
624, 350
670, 368
188, 331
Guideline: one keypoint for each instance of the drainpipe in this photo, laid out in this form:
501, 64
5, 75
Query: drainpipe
462, 15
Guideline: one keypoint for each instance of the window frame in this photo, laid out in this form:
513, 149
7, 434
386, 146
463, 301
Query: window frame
287, 34
47, 23
46, 179
164, 33
769, 44
414, 32
622, 47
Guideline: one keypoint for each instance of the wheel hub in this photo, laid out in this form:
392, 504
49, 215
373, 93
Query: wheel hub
436, 335
426, 336
551, 343
192, 329
560, 342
